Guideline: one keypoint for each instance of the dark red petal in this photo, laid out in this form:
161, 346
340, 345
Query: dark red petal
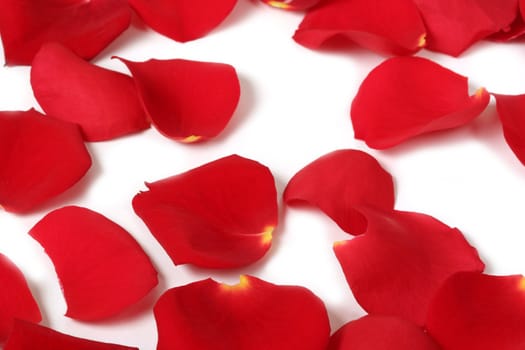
183, 20
397, 266
391, 27
28, 336
340, 181
511, 111
101, 268
292, 5
104, 103
16, 300
378, 332
407, 96
221, 214
41, 157
187, 100
86, 27
454, 25
252, 315
477, 311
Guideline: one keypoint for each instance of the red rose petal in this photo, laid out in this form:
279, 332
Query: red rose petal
41, 157
407, 96
292, 5
183, 20
102, 269
391, 27
511, 111
340, 181
104, 103
396, 267
252, 315
187, 100
477, 311
377, 332
221, 214
16, 300
85, 26
28, 336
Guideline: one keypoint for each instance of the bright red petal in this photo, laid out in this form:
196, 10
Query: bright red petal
377, 332
340, 181
183, 20
293, 5
102, 269
187, 100
397, 266
41, 157
28, 336
511, 111
86, 27
391, 27
477, 311
104, 103
407, 96
221, 214
252, 315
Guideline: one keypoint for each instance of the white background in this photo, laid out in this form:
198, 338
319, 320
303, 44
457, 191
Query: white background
294, 108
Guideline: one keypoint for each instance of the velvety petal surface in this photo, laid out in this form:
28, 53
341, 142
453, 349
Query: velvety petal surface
41, 157
101, 268
252, 315
407, 96
104, 103
292, 5
187, 100
339, 182
478, 311
219, 215
397, 266
85, 26
511, 111
390, 27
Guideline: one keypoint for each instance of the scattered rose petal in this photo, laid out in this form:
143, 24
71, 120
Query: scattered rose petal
219, 215
391, 27
377, 332
187, 100
340, 181
397, 266
182, 20
407, 96
41, 157
252, 315
85, 26
104, 103
101, 268
292, 5
511, 111
515, 30
28, 336
477, 311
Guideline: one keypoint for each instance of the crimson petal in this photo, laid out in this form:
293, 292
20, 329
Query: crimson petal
41, 157
477, 311
102, 269
397, 266
407, 96
339, 182
511, 111
252, 315
85, 26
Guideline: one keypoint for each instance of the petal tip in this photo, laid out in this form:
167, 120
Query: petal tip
422, 42
267, 235
243, 284
191, 139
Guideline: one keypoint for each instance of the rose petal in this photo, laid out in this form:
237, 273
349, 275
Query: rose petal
511, 111
102, 269
85, 26
16, 300
391, 27
396, 267
378, 332
182, 20
252, 315
187, 100
407, 96
28, 336
41, 157
477, 311
221, 214
292, 5
340, 181
104, 103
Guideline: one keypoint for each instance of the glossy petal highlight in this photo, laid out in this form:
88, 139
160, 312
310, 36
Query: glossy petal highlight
511, 111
